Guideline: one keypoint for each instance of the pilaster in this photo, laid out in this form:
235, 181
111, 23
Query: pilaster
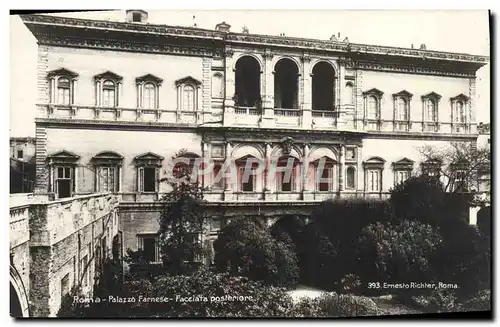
306, 91
342, 167
268, 91
229, 88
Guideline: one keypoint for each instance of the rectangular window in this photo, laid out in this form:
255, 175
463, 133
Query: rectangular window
247, 182
108, 179
147, 179
324, 179
65, 287
217, 178
150, 247
63, 181
285, 181
373, 180
19, 154
108, 98
402, 175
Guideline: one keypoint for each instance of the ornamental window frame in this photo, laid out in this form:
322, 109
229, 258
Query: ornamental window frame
429, 124
55, 77
403, 167
108, 81
142, 82
465, 121
371, 166
376, 95
148, 160
62, 166
403, 97
182, 85
111, 162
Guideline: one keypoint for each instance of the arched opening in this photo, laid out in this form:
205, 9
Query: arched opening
15, 304
323, 87
324, 172
247, 82
286, 78
350, 178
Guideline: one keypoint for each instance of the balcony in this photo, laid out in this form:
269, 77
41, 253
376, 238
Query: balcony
287, 117
247, 115
325, 118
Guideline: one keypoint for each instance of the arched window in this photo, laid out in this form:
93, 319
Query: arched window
402, 110
149, 96
459, 112
372, 107
62, 85
108, 94
350, 178
63, 91
349, 93
431, 112
217, 86
188, 101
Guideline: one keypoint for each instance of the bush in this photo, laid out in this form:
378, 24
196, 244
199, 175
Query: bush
245, 247
334, 305
257, 300
398, 253
481, 301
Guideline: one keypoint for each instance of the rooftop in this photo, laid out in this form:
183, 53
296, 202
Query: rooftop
36, 24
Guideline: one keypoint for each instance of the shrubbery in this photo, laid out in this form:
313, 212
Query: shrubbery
334, 305
245, 247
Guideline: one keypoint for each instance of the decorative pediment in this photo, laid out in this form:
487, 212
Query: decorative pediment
62, 72
404, 163
460, 97
149, 78
432, 95
374, 162
107, 157
374, 91
187, 80
64, 154
63, 157
108, 75
149, 158
403, 94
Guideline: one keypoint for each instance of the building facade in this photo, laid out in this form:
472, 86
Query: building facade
116, 101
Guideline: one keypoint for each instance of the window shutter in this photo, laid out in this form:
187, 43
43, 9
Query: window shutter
140, 179
157, 179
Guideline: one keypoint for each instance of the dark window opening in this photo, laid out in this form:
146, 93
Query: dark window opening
323, 87
286, 178
286, 84
324, 183
19, 154
149, 179
350, 178
136, 17
247, 82
149, 248
64, 182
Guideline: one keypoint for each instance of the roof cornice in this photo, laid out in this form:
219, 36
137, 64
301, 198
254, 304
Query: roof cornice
32, 21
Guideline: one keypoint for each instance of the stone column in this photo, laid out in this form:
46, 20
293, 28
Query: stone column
360, 185
268, 90
267, 178
306, 192
342, 167
306, 94
228, 191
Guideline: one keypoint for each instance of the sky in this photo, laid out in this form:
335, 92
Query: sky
462, 31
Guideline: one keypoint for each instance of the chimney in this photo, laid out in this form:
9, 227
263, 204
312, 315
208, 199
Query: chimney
423, 47
137, 16
223, 27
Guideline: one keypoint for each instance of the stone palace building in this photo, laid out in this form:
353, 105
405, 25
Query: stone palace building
117, 100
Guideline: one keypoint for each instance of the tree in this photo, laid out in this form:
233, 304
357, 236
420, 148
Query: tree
182, 218
460, 163
245, 247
